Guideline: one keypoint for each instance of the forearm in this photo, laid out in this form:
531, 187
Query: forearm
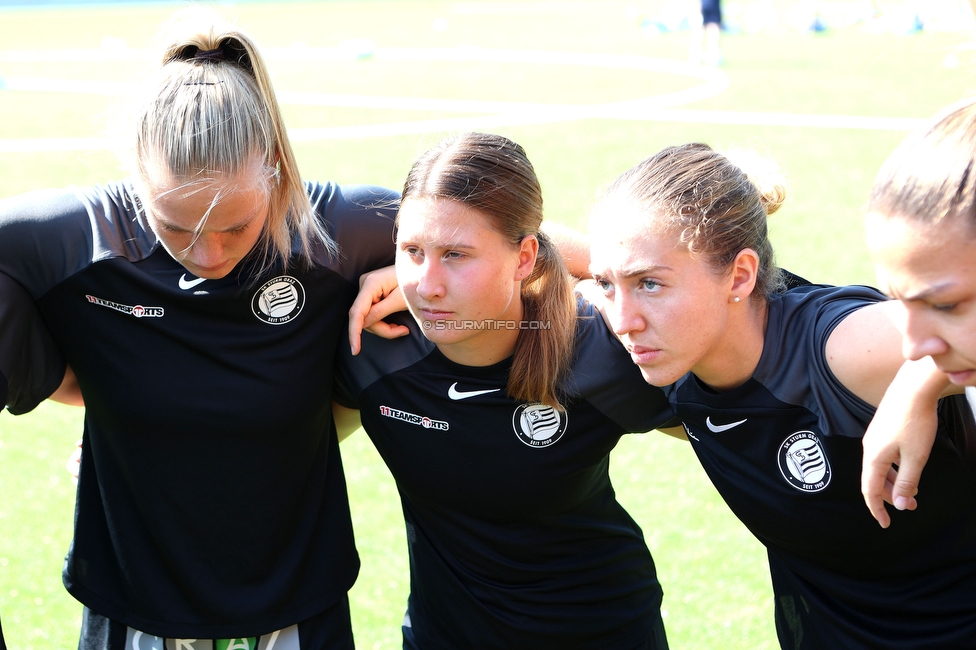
573, 247
347, 420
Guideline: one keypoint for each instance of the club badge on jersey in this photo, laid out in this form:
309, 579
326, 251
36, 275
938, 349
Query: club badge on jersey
803, 462
278, 300
538, 425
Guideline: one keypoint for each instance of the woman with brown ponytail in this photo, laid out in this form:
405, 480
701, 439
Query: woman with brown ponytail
200, 303
775, 387
497, 414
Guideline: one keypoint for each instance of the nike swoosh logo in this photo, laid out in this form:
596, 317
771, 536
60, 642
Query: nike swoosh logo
189, 284
456, 394
719, 428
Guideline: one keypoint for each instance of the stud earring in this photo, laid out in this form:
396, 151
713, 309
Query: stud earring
736, 299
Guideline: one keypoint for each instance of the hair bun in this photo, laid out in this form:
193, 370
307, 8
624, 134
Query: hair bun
764, 173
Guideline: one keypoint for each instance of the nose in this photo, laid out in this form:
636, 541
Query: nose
208, 250
430, 279
919, 339
623, 315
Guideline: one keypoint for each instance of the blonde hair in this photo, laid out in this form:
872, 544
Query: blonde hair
211, 111
931, 176
493, 175
713, 206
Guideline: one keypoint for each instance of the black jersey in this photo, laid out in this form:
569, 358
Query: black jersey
784, 451
515, 537
211, 500
31, 365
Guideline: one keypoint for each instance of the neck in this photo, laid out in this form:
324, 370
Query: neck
737, 354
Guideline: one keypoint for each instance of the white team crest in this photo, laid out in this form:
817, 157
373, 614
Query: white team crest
538, 425
803, 462
279, 300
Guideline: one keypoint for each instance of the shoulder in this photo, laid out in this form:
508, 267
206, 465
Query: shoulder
817, 294
381, 357
360, 219
817, 307
795, 366
332, 201
77, 226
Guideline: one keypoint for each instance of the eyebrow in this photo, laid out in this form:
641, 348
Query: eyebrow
635, 271
438, 245
240, 224
924, 294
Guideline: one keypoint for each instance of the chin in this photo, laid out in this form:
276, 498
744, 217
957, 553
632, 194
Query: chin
657, 377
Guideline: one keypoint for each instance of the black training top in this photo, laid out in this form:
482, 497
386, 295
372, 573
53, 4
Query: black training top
31, 365
211, 501
515, 537
784, 451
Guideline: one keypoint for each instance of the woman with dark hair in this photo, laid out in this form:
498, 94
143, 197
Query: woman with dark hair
496, 416
921, 231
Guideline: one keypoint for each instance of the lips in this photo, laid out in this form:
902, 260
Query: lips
433, 314
642, 355
961, 377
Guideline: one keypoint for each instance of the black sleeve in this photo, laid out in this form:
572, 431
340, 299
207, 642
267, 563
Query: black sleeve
360, 218
31, 365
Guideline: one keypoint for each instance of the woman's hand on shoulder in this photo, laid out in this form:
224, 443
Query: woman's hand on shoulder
378, 298
901, 434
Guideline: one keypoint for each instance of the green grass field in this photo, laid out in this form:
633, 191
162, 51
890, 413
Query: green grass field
581, 122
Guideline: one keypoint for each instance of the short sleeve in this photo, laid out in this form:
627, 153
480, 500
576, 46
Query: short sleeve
31, 365
360, 218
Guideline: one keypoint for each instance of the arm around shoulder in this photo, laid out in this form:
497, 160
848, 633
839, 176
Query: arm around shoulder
901, 434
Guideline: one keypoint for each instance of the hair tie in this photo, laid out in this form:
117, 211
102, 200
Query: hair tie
210, 55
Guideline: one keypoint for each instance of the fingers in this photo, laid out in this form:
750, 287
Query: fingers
905, 483
882, 482
389, 304
375, 288
388, 330
357, 319
873, 488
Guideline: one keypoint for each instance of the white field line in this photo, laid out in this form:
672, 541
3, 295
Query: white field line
479, 114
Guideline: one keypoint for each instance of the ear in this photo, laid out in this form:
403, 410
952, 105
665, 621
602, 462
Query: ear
527, 253
745, 270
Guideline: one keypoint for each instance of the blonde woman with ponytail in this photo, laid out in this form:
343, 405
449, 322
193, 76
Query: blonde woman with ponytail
775, 385
199, 304
497, 414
